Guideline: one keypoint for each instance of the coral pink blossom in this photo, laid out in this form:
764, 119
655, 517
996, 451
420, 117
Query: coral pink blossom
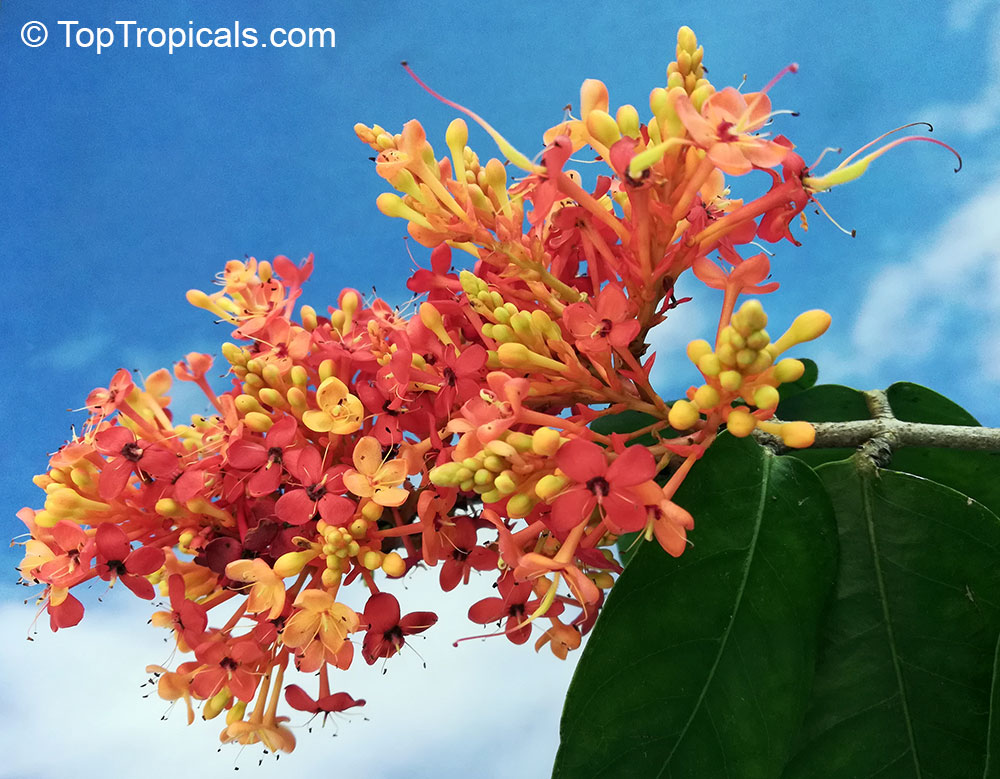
599, 484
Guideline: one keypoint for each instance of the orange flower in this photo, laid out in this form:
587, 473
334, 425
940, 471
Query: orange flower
319, 629
268, 591
339, 412
724, 129
375, 478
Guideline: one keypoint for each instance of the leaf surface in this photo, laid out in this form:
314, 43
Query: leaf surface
702, 665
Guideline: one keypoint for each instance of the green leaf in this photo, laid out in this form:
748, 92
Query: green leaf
992, 768
976, 474
627, 422
804, 382
914, 403
824, 403
903, 676
701, 666
628, 545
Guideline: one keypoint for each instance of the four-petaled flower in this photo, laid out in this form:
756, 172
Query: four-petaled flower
326, 705
267, 592
297, 506
374, 477
127, 455
339, 411
386, 632
116, 559
318, 630
605, 324
599, 484
725, 126
264, 458
187, 618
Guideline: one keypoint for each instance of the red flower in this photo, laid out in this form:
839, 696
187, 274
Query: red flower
515, 604
745, 276
129, 455
299, 699
187, 618
116, 559
598, 484
66, 613
297, 506
103, 400
608, 323
231, 664
464, 554
386, 631
264, 458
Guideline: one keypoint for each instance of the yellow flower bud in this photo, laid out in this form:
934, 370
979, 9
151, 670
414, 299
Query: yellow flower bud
766, 397
550, 485
698, 349
258, 422
520, 505
215, 705
731, 380
709, 364
683, 415
235, 714
292, 563
741, 422
545, 441
706, 397
602, 127
393, 565
789, 370
806, 327
627, 118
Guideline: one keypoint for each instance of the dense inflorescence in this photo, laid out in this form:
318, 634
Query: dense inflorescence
354, 445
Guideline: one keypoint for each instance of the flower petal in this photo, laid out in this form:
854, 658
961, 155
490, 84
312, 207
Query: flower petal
581, 460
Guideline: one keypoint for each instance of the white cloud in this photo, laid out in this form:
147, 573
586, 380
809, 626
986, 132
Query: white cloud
72, 703
76, 351
672, 371
962, 14
980, 113
952, 285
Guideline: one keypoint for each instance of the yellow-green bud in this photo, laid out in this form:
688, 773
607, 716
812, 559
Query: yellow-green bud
731, 380
292, 563
550, 485
766, 397
602, 127
698, 349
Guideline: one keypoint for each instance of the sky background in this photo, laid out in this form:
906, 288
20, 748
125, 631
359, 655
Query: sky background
134, 175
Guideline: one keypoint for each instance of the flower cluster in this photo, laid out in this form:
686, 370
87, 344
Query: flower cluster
355, 444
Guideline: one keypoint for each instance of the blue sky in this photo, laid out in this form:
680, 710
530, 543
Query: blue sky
134, 175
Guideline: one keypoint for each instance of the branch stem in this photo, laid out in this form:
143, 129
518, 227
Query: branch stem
880, 436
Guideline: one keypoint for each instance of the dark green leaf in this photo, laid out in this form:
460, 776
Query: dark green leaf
804, 382
701, 666
903, 675
992, 768
628, 545
974, 473
825, 403
914, 403
628, 422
